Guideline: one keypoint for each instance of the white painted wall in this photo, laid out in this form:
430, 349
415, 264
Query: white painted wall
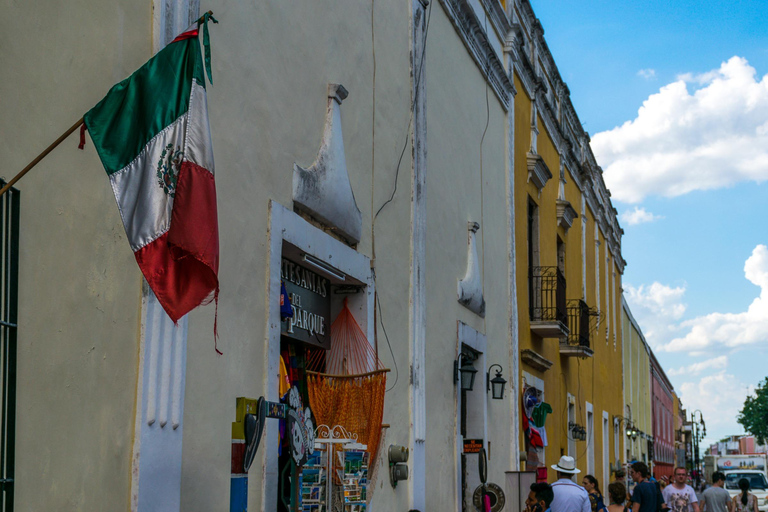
81, 356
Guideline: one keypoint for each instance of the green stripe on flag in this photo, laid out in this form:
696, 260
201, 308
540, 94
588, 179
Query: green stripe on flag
142, 105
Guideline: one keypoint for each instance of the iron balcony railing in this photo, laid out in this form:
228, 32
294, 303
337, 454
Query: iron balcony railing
582, 322
547, 302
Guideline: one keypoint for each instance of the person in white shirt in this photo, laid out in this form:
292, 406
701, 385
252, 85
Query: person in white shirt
680, 497
569, 496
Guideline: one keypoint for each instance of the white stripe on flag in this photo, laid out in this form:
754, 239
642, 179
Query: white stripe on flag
199, 149
144, 206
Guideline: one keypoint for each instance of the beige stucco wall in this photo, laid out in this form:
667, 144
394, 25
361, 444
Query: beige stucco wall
80, 289
79, 292
272, 64
457, 192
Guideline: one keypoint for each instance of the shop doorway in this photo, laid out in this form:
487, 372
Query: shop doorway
323, 272
472, 418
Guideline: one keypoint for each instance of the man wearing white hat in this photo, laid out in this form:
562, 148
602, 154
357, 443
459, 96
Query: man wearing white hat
569, 496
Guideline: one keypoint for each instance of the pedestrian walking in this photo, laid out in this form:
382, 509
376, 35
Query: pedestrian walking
540, 498
716, 498
680, 497
645, 497
617, 495
746, 501
569, 496
595, 496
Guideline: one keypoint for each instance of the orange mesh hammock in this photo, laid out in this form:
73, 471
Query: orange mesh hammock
350, 391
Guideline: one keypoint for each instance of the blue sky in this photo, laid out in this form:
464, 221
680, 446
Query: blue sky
675, 99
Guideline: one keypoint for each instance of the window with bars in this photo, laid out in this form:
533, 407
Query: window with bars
9, 286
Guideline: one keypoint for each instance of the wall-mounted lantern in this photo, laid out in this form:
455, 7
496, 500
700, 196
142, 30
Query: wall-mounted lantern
496, 384
578, 433
464, 372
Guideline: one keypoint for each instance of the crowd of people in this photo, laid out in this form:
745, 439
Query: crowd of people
648, 494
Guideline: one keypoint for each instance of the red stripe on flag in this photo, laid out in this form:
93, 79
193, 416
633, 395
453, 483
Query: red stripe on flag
182, 265
186, 35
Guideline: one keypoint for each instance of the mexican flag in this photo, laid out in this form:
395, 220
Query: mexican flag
151, 132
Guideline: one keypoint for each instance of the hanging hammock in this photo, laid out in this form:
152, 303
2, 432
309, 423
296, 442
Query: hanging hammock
347, 383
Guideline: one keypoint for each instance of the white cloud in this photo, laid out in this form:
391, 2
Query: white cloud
648, 74
731, 329
719, 397
717, 363
658, 309
681, 141
638, 216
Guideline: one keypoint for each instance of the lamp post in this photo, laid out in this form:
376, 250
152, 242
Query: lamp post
699, 431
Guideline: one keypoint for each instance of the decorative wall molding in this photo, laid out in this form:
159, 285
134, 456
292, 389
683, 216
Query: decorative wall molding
323, 190
158, 429
533, 63
470, 289
472, 33
417, 317
565, 214
535, 360
157, 450
497, 16
512, 312
538, 172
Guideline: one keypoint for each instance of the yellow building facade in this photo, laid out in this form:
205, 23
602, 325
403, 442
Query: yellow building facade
569, 268
637, 422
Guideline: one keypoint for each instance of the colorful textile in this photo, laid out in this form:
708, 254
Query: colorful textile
534, 438
540, 412
542, 431
284, 383
152, 135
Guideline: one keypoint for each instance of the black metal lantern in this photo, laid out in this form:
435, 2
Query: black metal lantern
496, 384
464, 372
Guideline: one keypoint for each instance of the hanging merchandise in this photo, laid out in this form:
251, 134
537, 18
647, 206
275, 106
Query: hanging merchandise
538, 418
286, 311
540, 412
347, 383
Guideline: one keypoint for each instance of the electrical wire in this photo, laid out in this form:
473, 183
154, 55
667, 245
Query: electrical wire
397, 174
386, 337
410, 119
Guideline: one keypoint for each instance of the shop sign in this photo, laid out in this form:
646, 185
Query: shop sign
473, 445
309, 294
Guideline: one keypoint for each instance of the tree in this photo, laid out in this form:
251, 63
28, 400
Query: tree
754, 415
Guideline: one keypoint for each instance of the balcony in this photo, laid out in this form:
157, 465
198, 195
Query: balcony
547, 304
582, 321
